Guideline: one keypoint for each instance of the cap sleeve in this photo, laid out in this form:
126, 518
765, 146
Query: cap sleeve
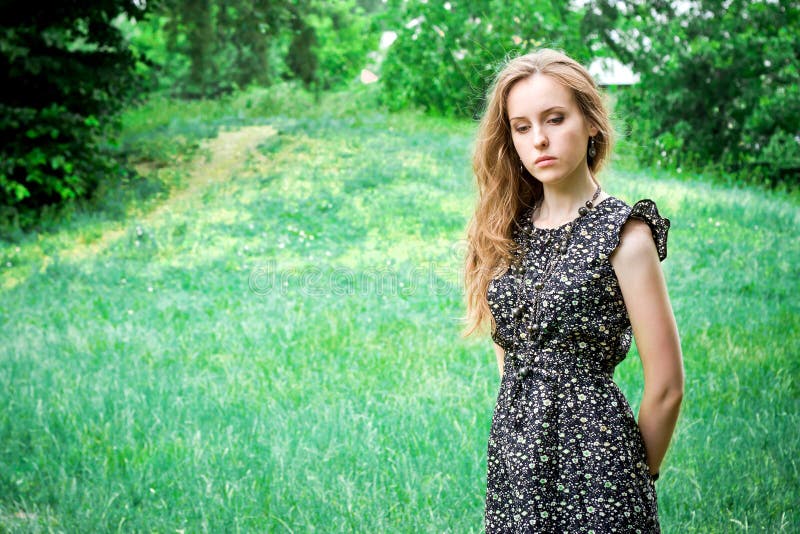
647, 211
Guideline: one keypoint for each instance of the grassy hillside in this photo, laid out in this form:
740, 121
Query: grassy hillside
262, 335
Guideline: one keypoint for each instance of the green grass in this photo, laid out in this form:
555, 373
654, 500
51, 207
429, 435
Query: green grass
248, 360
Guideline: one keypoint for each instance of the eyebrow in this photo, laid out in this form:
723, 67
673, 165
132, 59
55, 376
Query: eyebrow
543, 112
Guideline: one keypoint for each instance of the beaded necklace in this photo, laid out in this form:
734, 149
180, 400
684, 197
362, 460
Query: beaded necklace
535, 327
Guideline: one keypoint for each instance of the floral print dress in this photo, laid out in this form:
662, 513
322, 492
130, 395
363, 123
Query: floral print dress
565, 453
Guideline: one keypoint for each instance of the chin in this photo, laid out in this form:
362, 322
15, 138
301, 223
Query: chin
549, 177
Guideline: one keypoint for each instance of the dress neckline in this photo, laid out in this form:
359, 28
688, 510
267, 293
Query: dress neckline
529, 212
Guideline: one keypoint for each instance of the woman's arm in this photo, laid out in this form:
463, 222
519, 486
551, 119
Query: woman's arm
644, 290
500, 353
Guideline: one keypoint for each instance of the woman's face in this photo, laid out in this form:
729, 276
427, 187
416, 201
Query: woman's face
548, 129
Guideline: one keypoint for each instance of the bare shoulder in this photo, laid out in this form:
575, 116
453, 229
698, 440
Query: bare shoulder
638, 270
635, 244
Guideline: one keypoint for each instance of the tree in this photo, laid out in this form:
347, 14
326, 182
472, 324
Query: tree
446, 53
65, 72
227, 43
719, 82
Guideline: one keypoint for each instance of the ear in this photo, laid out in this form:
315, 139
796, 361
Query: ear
593, 130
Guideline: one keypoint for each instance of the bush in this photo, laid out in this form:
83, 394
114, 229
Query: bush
720, 84
345, 35
65, 72
446, 53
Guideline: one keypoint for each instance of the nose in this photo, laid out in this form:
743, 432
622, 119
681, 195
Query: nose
539, 138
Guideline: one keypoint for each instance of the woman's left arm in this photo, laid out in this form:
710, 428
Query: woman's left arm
644, 291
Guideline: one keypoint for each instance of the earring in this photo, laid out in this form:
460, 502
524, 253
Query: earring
521, 170
592, 149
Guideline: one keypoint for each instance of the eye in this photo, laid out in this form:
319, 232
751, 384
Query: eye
558, 119
521, 128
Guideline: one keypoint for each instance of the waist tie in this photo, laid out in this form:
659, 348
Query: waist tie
531, 372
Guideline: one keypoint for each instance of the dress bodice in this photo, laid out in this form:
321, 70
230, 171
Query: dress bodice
581, 309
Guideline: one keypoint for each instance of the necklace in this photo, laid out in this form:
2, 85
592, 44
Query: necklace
528, 324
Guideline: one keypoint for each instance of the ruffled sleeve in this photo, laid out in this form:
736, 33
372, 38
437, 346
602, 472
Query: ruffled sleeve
647, 211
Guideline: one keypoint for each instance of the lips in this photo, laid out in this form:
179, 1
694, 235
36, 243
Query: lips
542, 161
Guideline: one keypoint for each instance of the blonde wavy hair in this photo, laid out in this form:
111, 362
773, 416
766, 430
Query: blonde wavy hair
505, 188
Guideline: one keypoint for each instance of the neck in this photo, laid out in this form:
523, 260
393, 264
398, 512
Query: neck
560, 202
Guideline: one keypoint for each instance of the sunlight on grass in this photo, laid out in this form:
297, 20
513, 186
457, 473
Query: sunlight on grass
276, 345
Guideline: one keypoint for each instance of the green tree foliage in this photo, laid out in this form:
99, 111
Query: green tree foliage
344, 36
215, 46
720, 83
446, 53
224, 44
65, 72
301, 60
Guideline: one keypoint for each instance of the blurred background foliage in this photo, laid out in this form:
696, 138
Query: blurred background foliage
718, 85
446, 53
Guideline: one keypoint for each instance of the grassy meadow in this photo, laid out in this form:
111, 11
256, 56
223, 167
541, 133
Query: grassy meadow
262, 334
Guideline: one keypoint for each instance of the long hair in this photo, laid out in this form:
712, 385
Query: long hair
505, 188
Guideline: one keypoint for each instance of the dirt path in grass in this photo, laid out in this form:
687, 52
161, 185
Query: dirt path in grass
218, 161
228, 151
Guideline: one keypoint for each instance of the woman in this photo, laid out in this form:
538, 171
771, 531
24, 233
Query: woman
565, 273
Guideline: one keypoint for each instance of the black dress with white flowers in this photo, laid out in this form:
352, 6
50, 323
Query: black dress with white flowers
565, 453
